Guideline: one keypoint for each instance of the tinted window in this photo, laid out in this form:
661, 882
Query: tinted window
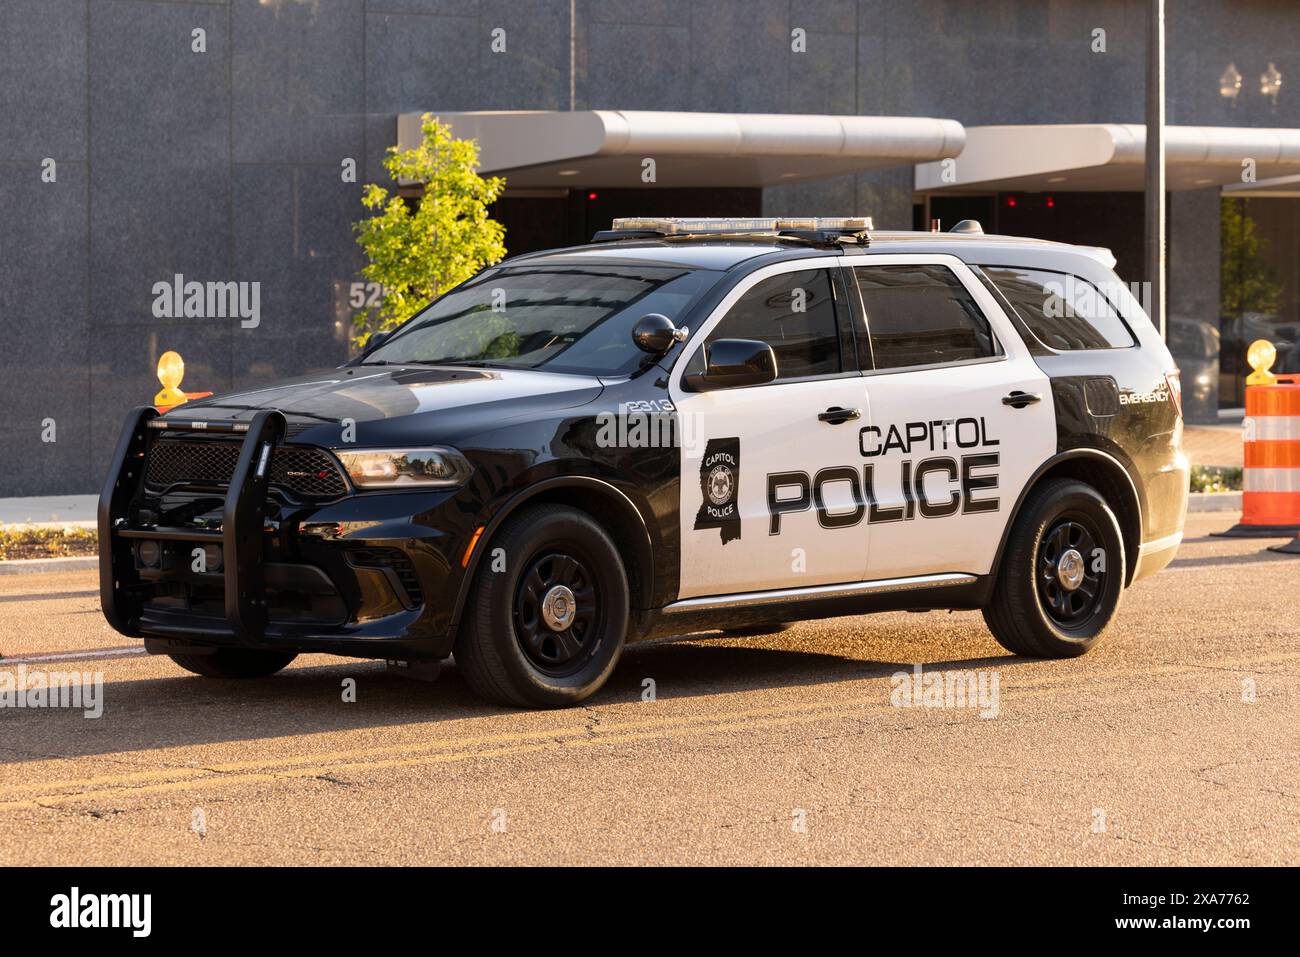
794, 313
576, 318
1064, 311
921, 315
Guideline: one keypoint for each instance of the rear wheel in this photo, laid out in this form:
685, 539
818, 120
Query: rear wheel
1062, 574
546, 632
235, 663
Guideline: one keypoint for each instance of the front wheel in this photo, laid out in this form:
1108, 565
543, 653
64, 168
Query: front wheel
1062, 573
548, 630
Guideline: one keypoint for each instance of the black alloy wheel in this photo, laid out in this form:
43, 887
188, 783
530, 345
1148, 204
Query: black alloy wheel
1071, 571
546, 628
558, 616
1062, 573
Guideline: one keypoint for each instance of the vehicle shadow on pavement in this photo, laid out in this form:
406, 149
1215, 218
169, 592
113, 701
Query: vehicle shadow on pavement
1216, 539
185, 711
1211, 561
685, 669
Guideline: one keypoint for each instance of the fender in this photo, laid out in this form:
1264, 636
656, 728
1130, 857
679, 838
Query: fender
644, 548
1129, 560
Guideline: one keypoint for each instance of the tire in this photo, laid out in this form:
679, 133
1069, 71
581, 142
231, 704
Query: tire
508, 649
235, 663
1042, 606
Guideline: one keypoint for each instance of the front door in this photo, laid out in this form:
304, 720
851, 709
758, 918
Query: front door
770, 488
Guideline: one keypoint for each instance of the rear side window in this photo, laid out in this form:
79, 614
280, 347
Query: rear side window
1066, 312
794, 313
920, 315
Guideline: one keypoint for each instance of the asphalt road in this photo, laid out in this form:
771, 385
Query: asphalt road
776, 749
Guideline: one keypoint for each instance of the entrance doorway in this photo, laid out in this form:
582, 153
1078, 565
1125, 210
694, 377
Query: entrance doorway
547, 218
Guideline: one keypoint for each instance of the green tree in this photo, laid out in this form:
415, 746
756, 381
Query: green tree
419, 247
1248, 283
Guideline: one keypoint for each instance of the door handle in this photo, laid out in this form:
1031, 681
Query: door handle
835, 415
1018, 399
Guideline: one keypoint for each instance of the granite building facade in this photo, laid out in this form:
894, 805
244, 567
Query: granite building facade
132, 152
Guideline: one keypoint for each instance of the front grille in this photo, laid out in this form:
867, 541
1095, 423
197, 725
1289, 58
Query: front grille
301, 469
307, 471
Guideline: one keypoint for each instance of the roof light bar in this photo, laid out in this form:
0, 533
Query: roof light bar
672, 226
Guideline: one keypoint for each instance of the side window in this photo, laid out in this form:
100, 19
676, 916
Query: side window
920, 315
1065, 312
794, 313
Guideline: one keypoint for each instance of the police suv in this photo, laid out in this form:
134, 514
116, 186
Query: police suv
683, 426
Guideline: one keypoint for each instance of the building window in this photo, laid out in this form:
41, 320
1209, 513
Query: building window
1258, 292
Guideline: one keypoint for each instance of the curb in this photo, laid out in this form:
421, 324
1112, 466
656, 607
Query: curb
1214, 502
24, 526
30, 566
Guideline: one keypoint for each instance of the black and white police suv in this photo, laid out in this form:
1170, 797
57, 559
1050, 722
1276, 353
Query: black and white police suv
685, 425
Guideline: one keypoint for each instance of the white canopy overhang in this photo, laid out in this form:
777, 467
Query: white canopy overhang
1278, 186
606, 148
1108, 156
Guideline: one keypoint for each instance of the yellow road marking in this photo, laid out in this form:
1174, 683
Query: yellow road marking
360, 755
505, 744
575, 740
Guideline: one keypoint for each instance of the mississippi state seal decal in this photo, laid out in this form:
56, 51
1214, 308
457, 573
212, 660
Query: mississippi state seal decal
720, 487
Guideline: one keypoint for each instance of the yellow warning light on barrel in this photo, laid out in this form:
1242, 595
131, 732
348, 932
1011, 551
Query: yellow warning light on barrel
171, 369
1261, 355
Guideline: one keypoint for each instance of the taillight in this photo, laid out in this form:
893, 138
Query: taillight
1175, 382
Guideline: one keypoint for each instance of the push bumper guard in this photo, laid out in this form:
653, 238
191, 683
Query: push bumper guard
121, 587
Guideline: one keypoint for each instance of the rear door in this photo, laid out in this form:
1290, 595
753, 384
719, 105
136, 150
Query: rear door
960, 416
770, 488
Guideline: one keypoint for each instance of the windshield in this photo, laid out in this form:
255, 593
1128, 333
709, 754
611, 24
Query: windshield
575, 318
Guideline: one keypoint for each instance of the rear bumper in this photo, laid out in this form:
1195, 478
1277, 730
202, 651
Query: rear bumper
370, 576
1156, 555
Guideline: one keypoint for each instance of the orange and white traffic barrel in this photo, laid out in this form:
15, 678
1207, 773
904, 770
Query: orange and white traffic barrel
1270, 496
1270, 432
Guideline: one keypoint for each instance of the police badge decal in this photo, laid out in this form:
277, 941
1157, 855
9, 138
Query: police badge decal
720, 487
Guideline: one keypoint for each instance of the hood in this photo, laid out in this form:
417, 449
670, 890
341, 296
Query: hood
393, 399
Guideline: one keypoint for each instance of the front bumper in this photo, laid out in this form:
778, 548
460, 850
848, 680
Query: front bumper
374, 575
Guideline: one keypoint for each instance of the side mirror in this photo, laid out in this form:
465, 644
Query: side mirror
733, 362
655, 334
376, 340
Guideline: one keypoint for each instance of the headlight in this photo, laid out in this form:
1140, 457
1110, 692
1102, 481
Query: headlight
438, 467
